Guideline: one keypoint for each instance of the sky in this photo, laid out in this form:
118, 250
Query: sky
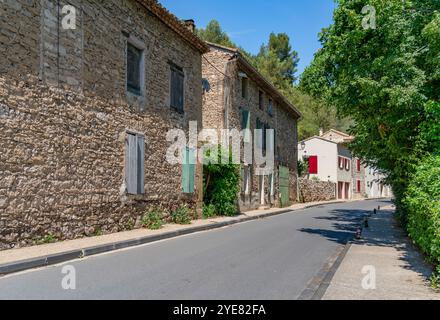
250, 22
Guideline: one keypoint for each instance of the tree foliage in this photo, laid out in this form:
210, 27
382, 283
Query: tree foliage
385, 79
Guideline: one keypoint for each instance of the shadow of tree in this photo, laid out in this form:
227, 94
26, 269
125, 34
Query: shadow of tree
384, 231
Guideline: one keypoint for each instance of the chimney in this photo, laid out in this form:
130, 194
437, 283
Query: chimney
190, 25
321, 132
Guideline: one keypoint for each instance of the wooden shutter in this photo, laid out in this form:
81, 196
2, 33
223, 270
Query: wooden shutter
131, 163
135, 163
177, 89
133, 68
140, 164
359, 186
313, 165
188, 171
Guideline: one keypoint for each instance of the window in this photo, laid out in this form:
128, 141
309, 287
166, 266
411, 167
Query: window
359, 186
246, 124
189, 171
244, 87
313, 164
177, 88
358, 163
270, 108
134, 163
261, 100
246, 178
347, 164
341, 163
134, 69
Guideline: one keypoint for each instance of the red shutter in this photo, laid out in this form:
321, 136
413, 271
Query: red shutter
359, 185
359, 165
313, 165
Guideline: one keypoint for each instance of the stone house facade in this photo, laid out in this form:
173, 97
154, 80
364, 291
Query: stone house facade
238, 97
88, 91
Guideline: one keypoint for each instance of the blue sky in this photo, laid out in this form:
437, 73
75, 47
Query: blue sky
249, 22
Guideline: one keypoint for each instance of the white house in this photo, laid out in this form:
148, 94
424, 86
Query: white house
375, 186
329, 160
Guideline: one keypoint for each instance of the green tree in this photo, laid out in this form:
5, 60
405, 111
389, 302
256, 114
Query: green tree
383, 79
214, 33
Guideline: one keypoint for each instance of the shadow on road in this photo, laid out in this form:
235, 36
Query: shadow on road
344, 225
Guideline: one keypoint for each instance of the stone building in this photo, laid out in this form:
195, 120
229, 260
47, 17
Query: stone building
238, 97
88, 91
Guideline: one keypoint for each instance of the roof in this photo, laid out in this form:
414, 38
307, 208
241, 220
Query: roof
317, 137
252, 72
174, 24
337, 132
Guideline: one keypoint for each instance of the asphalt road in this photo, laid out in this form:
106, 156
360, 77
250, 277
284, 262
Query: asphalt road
274, 258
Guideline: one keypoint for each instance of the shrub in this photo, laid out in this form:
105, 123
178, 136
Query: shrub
209, 211
221, 183
181, 216
152, 220
422, 203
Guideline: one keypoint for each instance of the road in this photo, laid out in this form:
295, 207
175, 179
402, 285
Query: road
274, 258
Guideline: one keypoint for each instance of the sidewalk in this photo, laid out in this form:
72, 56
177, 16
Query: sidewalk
16, 260
401, 272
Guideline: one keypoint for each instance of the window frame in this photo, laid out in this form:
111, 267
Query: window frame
174, 68
139, 46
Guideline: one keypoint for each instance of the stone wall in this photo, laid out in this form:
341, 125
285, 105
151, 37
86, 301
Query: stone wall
312, 191
65, 111
223, 105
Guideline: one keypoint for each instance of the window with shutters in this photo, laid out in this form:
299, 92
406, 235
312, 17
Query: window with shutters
177, 95
261, 100
359, 186
135, 163
244, 87
189, 171
246, 125
270, 108
134, 69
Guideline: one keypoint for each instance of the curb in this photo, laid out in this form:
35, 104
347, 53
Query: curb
45, 261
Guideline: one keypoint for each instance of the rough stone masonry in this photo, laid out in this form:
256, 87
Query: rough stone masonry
65, 113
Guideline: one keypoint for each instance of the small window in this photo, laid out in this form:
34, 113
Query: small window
359, 186
358, 162
270, 108
177, 88
244, 87
134, 59
261, 99
134, 163
246, 124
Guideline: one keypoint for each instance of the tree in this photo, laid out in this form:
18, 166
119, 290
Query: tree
278, 61
383, 77
214, 33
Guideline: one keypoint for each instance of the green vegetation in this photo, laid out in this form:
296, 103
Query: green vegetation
153, 220
49, 238
422, 202
181, 216
209, 211
386, 79
221, 188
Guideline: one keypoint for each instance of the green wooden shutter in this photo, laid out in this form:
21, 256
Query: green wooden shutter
188, 171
